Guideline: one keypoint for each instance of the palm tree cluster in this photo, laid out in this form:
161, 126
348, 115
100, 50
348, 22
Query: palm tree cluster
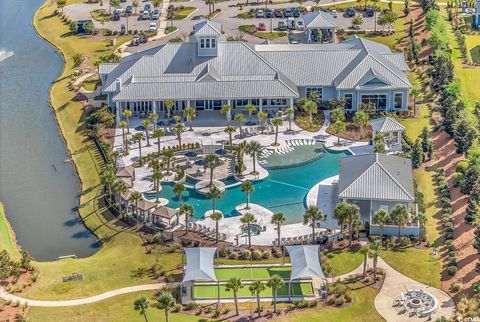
399, 216
157, 175
348, 215
165, 301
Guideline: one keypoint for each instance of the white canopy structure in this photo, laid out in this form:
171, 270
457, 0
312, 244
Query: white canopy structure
200, 264
305, 262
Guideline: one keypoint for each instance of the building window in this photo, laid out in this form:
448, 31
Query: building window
279, 102
398, 100
207, 42
202, 43
310, 90
348, 101
377, 100
213, 42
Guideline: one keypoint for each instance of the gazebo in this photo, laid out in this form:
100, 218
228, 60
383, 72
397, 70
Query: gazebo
200, 266
319, 27
305, 264
163, 215
391, 129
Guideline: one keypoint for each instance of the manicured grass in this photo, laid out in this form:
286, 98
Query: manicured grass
414, 126
182, 13
344, 261
247, 273
249, 29
270, 35
91, 84
211, 291
244, 15
473, 47
362, 309
7, 237
416, 264
100, 15
170, 29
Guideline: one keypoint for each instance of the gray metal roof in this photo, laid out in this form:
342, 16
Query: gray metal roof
104, 69
207, 28
376, 177
319, 19
386, 124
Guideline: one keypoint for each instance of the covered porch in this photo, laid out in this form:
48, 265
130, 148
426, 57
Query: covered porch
391, 130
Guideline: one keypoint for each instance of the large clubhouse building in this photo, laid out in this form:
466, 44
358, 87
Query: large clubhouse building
209, 71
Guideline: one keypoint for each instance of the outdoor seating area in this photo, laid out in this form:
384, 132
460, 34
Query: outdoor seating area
416, 302
73, 278
209, 232
322, 236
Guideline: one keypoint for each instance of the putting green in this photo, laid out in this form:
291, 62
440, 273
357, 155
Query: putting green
210, 291
252, 273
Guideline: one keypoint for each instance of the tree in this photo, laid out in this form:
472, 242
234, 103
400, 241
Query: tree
275, 283
78, 59
256, 288
138, 137
278, 219
141, 305
61, 4
135, 197
178, 190
158, 134
73, 26
234, 284
262, 116
214, 193
311, 216
127, 114
166, 302
123, 125
146, 124
357, 20
135, 5
248, 219
227, 109
375, 249
230, 130
248, 188
340, 127
365, 250
250, 109
379, 143
187, 211
399, 216
289, 112
217, 216
422, 220
178, 129
347, 215
169, 104
381, 218
276, 122
427, 5
168, 154
156, 3
240, 118
189, 114
311, 108
157, 177
211, 162
416, 95
406, 8
361, 120
417, 154
338, 118
464, 134
390, 17
253, 149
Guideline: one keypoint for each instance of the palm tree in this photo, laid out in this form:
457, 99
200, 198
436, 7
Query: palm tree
248, 219
138, 137
211, 162
253, 149
261, 117
275, 283
179, 128
124, 125
146, 124
135, 197
240, 118
217, 216
141, 305
177, 118
187, 211
310, 217
250, 109
416, 94
165, 302
422, 220
289, 112
135, 5
214, 193
178, 190
169, 104
234, 284
248, 188
365, 251
256, 288
157, 178
375, 249
157, 134
277, 122
108, 178
168, 154
381, 217
278, 219
399, 216
338, 118
189, 113
230, 130
347, 214
118, 188
311, 108
226, 109
361, 119
153, 117
127, 114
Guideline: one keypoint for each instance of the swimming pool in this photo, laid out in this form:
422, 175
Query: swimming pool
284, 190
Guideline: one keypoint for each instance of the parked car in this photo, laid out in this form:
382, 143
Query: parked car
278, 13
300, 25
153, 26
146, 15
155, 14
291, 23
123, 30
262, 27
350, 12
268, 13
334, 13
288, 12
134, 42
123, 0
369, 12
147, 7
282, 26
296, 12
142, 39
116, 16
128, 9
260, 13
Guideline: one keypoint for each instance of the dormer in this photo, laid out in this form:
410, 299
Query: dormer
207, 34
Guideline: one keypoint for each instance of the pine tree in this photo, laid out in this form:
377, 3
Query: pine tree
411, 30
472, 179
417, 154
472, 209
476, 242
464, 135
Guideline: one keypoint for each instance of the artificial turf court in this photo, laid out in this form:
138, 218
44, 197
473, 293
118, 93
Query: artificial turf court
252, 273
210, 291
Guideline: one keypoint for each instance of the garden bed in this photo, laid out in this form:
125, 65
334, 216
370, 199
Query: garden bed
100, 15
302, 121
182, 12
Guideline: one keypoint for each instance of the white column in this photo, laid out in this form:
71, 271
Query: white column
188, 103
154, 106
118, 112
260, 105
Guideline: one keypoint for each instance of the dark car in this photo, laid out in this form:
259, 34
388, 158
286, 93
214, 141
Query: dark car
128, 10
369, 12
288, 12
116, 16
350, 12
268, 13
296, 12
134, 42
147, 7
123, 30
278, 13
142, 39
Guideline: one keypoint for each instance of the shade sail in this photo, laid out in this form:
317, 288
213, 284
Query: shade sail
200, 264
305, 262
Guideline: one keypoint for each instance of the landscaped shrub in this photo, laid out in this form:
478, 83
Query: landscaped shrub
177, 308
452, 262
457, 179
456, 287
449, 235
277, 252
449, 230
208, 309
233, 255
225, 310
246, 254
216, 313
452, 270
339, 301
451, 248
266, 254
191, 306
313, 303
174, 247
461, 167
222, 252
256, 254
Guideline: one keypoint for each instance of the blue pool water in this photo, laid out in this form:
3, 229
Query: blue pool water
283, 191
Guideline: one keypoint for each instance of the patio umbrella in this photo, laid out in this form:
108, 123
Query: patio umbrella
221, 152
190, 154
200, 162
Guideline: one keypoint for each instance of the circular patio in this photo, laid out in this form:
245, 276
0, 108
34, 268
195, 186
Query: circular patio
204, 186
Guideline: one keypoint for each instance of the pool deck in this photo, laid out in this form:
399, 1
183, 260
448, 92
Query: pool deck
324, 196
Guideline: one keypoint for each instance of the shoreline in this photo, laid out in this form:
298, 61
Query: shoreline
11, 236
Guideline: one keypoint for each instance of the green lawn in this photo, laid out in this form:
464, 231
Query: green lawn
247, 273
416, 264
249, 29
473, 46
91, 84
270, 35
344, 261
182, 13
7, 237
100, 14
211, 291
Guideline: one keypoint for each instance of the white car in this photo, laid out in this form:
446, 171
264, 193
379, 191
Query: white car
153, 26
146, 15
300, 25
334, 13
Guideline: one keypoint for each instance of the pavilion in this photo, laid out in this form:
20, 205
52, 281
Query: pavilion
391, 129
199, 268
163, 216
